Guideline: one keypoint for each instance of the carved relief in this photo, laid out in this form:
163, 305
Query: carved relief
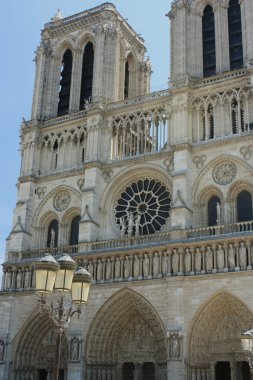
175, 346
41, 191
62, 200
224, 173
199, 161
80, 183
247, 152
75, 349
169, 165
107, 175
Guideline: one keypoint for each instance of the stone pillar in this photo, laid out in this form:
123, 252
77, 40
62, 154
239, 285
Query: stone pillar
247, 22
97, 87
74, 102
221, 38
40, 61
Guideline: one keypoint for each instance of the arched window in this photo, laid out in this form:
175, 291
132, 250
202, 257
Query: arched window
235, 35
208, 42
244, 206
126, 84
213, 211
237, 116
65, 83
74, 231
87, 74
52, 234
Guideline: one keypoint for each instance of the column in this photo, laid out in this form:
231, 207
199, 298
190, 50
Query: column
75, 91
221, 38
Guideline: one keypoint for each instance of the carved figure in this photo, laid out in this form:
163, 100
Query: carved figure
220, 257
231, 256
8, 280
242, 255
27, 278
99, 270
218, 210
127, 267
91, 268
198, 260
137, 224
175, 261
155, 264
187, 261
123, 226
19, 279
75, 349
165, 263
108, 269
136, 266
146, 265
2, 350
52, 238
174, 347
209, 258
130, 224
117, 268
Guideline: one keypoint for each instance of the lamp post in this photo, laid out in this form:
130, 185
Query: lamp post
62, 276
247, 346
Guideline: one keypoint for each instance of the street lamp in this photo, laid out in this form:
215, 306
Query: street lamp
247, 346
62, 276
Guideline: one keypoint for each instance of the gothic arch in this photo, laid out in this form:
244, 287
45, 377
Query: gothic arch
216, 329
31, 349
199, 5
63, 46
196, 189
83, 39
237, 187
114, 321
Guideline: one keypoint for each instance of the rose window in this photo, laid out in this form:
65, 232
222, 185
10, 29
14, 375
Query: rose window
143, 208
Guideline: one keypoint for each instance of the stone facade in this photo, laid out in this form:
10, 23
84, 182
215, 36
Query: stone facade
172, 272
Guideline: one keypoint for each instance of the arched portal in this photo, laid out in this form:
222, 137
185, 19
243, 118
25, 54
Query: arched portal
34, 349
214, 344
126, 339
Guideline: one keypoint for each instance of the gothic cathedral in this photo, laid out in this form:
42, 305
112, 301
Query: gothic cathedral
151, 192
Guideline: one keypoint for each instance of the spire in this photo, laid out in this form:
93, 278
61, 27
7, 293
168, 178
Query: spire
57, 17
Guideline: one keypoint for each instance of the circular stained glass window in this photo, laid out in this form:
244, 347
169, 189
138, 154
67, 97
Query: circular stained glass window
143, 208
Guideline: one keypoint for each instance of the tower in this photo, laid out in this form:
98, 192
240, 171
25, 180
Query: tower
150, 192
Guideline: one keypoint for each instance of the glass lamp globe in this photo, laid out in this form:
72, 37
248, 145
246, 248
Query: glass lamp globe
45, 269
81, 286
65, 274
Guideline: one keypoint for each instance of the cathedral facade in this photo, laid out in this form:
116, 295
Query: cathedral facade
151, 192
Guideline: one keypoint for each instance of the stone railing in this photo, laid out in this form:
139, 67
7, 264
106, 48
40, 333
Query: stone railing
222, 229
175, 258
220, 77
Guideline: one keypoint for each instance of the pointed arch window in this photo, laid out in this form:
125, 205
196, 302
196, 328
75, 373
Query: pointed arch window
235, 35
212, 210
65, 83
87, 74
244, 206
208, 42
74, 230
52, 234
126, 83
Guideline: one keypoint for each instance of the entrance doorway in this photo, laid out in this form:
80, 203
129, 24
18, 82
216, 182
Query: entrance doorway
42, 374
128, 371
222, 371
242, 371
148, 371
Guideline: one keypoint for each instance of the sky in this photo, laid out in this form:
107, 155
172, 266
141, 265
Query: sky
20, 27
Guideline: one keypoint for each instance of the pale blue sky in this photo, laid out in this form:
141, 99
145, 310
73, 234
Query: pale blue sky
21, 22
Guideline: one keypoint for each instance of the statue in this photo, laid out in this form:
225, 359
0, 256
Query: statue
19, 279
231, 256
174, 347
165, 263
155, 264
127, 267
136, 266
220, 258
8, 280
52, 238
130, 224
123, 226
108, 269
137, 224
27, 278
218, 210
146, 265
175, 261
75, 349
198, 260
91, 268
209, 259
2, 350
242, 255
99, 270
117, 268
187, 261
